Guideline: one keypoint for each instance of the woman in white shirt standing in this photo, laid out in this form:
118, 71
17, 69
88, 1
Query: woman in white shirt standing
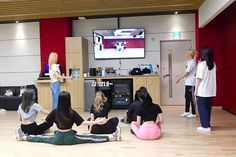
55, 77
205, 88
190, 79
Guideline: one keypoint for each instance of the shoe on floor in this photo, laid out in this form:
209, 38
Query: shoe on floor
191, 115
19, 134
204, 129
117, 134
184, 114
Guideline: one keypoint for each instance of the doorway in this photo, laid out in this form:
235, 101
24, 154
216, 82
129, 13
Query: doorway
173, 60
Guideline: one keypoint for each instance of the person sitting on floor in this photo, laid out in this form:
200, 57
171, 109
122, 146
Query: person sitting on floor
64, 117
149, 118
99, 111
131, 113
28, 111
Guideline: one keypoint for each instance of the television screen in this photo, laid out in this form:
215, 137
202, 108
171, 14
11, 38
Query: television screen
118, 43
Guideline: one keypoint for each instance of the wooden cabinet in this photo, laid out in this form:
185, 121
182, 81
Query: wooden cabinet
77, 54
45, 93
77, 93
152, 83
77, 58
139, 82
153, 87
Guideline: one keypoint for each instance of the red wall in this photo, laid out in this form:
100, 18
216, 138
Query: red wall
228, 35
52, 38
209, 37
220, 35
131, 43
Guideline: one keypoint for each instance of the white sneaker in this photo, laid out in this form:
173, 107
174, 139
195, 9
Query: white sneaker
2, 111
191, 115
19, 134
117, 134
204, 129
184, 114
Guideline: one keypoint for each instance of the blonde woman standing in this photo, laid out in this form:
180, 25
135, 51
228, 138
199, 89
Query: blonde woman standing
99, 112
55, 77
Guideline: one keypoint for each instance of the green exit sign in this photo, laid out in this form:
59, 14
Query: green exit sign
176, 35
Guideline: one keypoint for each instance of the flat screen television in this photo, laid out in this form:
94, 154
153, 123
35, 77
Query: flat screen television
119, 43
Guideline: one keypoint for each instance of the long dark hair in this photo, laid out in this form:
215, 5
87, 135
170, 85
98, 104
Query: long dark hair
146, 98
137, 95
207, 56
27, 100
144, 90
64, 112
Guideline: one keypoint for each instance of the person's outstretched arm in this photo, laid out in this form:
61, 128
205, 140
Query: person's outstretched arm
91, 119
182, 76
44, 111
138, 121
99, 121
159, 119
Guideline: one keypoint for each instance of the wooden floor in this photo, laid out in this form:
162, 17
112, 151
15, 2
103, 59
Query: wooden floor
179, 139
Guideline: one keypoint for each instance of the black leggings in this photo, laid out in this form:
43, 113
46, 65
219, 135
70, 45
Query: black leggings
189, 99
34, 129
108, 128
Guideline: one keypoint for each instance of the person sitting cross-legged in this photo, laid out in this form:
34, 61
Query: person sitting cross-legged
149, 119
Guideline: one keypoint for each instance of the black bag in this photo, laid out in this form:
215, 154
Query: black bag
146, 71
136, 71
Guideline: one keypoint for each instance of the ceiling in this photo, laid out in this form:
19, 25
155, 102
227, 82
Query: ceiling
36, 9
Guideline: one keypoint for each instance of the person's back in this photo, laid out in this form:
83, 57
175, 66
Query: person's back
31, 114
28, 111
149, 113
104, 111
149, 117
133, 111
207, 87
64, 123
100, 110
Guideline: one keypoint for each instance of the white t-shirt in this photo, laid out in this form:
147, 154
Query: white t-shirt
52, 72
191, 68
207, 86
31, 115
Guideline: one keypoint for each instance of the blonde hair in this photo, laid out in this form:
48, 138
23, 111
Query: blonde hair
99, 101
52, 59
192, 52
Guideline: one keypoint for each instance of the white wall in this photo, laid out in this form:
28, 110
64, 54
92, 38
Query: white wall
157, 28
19, 53
210, 9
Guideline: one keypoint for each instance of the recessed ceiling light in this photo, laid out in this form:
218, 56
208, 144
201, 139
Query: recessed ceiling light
176, 12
